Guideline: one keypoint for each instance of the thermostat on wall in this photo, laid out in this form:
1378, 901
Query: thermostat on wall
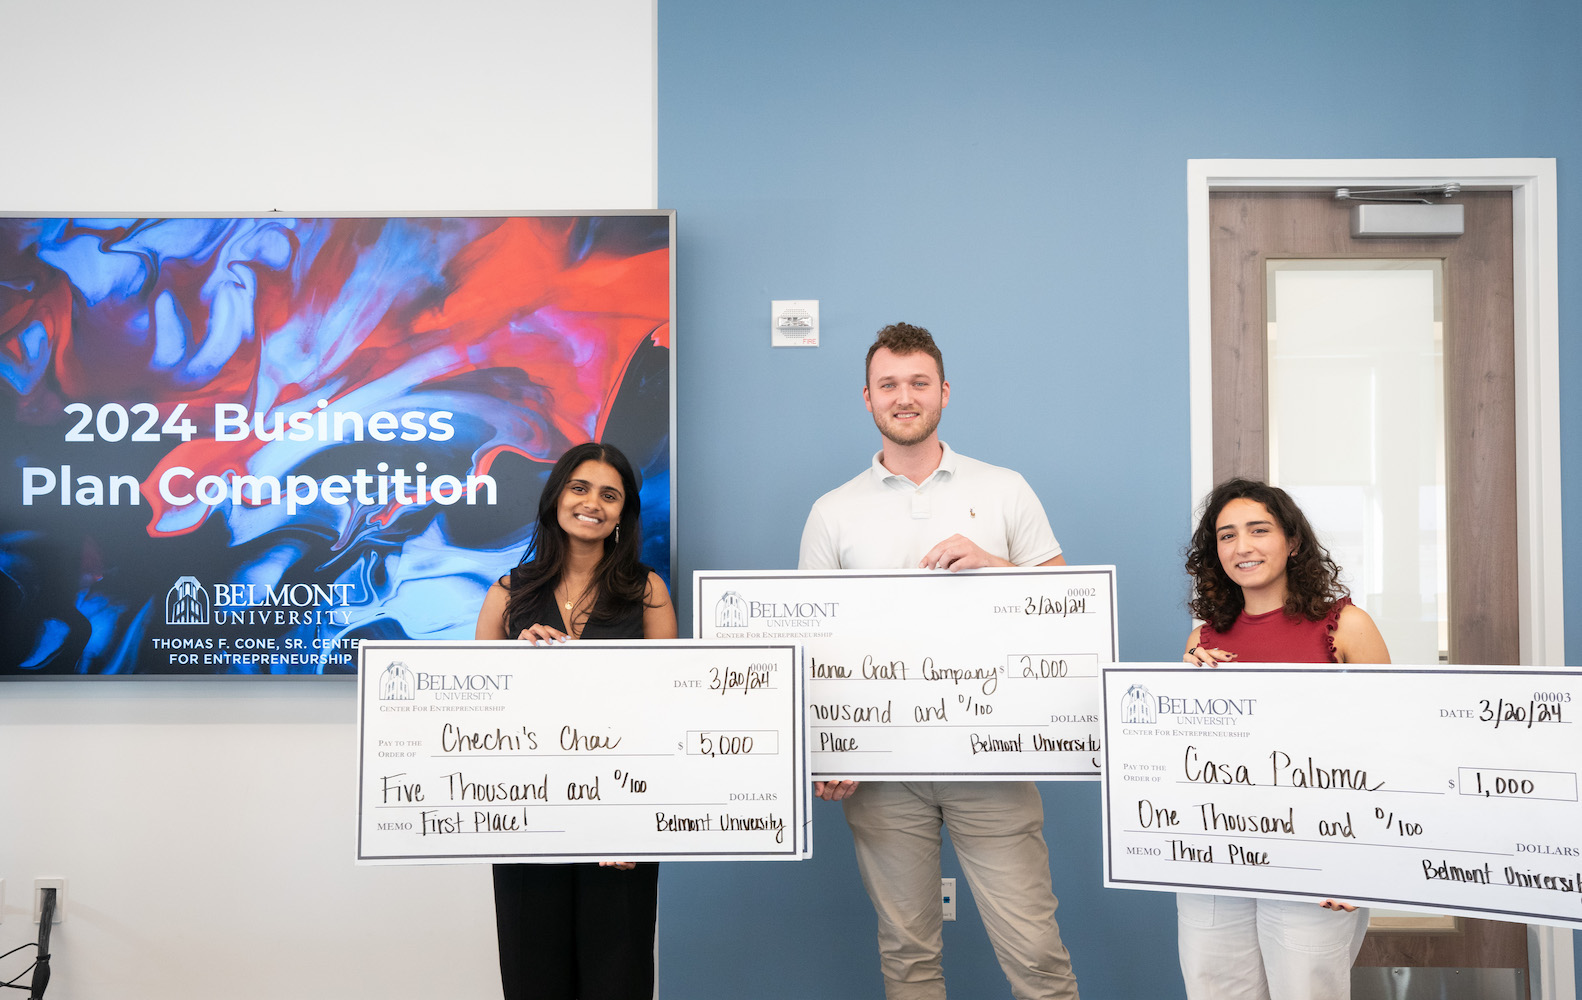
793, 323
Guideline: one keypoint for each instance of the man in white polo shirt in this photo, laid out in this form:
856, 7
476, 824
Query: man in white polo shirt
922, 505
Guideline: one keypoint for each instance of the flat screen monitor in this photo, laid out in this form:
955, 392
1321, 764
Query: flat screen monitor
240, 445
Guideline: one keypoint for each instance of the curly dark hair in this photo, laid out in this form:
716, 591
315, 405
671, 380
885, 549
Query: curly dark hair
1312, 578
620, 578
904, 338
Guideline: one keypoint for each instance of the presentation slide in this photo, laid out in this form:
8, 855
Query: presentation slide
244, 445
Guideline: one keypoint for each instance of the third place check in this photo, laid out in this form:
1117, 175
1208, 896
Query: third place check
1450, 790
913, 674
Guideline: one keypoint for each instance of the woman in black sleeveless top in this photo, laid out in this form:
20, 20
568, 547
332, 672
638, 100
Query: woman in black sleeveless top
585, 931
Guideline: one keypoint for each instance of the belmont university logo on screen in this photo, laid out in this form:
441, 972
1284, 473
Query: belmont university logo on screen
188, 602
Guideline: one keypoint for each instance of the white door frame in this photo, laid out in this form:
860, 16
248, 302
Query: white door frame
1537, 314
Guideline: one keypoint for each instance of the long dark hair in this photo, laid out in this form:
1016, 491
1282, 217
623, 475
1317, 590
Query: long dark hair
1312, 580
620, 579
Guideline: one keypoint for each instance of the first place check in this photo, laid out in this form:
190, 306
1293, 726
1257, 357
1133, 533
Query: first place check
1429, 788
584, 751
913, 675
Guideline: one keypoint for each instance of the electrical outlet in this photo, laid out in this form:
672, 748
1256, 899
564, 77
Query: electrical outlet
59, 885
947, 897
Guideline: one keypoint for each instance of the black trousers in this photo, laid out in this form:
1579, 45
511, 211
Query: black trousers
576, 932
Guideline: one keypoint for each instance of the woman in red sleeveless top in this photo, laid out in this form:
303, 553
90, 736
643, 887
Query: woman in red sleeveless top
1268, 592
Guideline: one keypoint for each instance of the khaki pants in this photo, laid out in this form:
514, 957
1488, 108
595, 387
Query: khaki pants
997, 830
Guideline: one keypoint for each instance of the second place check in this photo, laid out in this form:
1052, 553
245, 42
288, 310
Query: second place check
918, 675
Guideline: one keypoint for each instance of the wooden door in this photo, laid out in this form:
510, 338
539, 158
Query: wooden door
1250, 228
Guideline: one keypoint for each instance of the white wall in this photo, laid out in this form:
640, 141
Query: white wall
205, 827
327, 105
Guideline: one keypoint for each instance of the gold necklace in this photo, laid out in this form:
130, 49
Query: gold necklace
569, 603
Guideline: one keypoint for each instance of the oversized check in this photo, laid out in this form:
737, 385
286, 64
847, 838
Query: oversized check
591, 750
1443, 789
917, 674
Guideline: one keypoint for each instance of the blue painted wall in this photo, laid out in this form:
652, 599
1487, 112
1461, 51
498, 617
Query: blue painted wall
1012, 176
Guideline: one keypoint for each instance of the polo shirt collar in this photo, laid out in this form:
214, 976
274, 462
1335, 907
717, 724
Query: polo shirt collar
946, 469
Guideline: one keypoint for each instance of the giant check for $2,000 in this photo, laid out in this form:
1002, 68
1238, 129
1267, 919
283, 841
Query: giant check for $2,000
917, 674
1448, 790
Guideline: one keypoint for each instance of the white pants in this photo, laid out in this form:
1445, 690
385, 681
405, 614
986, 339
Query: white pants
1235, 948
997, 829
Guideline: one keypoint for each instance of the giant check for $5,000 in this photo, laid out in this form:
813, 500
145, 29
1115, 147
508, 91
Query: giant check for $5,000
916, 674
584, 751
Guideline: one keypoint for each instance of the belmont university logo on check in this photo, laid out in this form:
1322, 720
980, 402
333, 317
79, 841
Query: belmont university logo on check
1137, 707
399, 682
734, 611
1141, 707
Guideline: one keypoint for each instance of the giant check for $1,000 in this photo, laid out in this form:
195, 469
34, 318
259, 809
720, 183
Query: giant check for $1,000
916, 674
585, 751
1447, 790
